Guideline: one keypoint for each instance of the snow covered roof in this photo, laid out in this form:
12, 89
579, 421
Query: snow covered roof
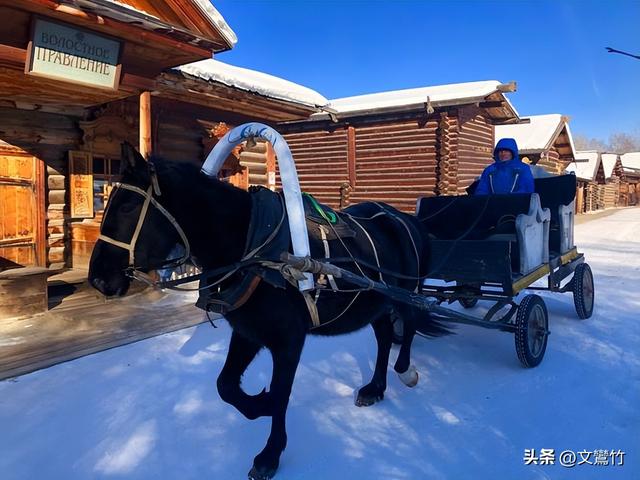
218, 20
631, 162
439, 95
253, 81
204, 9
609, 163
397, 101
538, 135
586, 165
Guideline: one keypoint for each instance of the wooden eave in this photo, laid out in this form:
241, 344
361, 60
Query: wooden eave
185, 88
559, 140
177, 46
495, 104
182, 13
34, 93
499, 109
179, 18
145, 53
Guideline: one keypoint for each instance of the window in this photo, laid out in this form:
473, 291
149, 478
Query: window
106, 172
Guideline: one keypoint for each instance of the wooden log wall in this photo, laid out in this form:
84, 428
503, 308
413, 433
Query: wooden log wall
48, 137
634, 192
256, 161
580, 197
447, 143
611, 193
395, 162
475, 148
595, 197
550, 161
321, 162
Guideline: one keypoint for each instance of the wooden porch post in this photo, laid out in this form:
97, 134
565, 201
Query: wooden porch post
145, 146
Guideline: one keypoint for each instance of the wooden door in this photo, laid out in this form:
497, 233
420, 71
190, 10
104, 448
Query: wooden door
22, 241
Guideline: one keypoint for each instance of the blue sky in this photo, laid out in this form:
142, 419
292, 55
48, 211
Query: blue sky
553, 49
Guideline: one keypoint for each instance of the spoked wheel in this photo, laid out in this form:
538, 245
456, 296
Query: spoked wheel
532, 330
468, 302
583, 291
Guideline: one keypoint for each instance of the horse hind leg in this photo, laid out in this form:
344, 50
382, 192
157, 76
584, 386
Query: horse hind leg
374, 390
407, 372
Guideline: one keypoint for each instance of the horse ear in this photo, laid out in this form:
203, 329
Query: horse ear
132, 161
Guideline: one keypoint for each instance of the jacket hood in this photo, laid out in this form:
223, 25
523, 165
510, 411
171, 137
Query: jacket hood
506, 144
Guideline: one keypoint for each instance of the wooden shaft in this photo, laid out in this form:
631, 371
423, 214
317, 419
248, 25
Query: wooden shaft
145, 124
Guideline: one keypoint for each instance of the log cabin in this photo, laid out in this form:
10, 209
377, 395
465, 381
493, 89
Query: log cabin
615, 189
400, 145
543, 140
591, 178
631, 171
79, 77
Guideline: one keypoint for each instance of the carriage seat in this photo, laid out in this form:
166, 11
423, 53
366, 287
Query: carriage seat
516, 218
558, 193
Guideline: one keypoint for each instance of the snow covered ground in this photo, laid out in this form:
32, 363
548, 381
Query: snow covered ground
150, 410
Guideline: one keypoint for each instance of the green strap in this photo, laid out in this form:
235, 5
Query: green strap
328, 216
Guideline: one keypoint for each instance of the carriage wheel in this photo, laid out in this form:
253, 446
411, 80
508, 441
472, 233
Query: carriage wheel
532, 330
583, 290
468, 302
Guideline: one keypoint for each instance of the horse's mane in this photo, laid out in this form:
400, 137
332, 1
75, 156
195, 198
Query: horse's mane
189, 175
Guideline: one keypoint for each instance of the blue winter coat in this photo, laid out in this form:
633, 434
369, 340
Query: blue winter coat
511, 176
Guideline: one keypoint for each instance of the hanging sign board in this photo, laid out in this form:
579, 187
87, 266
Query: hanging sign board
65, 52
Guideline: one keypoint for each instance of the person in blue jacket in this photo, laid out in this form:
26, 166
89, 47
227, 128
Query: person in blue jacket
508, 174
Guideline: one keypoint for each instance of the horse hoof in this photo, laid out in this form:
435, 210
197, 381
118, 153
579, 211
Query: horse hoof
368, 400
410, 377
261, 474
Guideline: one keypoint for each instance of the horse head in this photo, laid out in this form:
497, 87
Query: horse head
137, 233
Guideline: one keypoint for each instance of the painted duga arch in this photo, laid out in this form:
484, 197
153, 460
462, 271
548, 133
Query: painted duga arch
288, 176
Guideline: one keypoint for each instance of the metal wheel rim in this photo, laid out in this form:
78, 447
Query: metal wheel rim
587, 290
536, 330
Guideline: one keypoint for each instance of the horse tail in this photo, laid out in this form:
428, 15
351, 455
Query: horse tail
427, 326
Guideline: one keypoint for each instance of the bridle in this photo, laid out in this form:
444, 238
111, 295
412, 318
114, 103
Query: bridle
131, 245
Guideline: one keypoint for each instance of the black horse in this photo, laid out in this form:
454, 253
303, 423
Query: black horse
161, 204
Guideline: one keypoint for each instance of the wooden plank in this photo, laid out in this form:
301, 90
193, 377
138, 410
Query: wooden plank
61, 336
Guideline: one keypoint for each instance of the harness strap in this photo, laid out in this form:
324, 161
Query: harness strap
373, 247
246, 295
131, 246
327, 254
313, 309
413, 242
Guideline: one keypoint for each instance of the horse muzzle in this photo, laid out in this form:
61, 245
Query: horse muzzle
113, 288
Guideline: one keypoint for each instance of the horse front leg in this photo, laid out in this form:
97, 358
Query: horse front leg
374, 391
285, 363
241, 354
